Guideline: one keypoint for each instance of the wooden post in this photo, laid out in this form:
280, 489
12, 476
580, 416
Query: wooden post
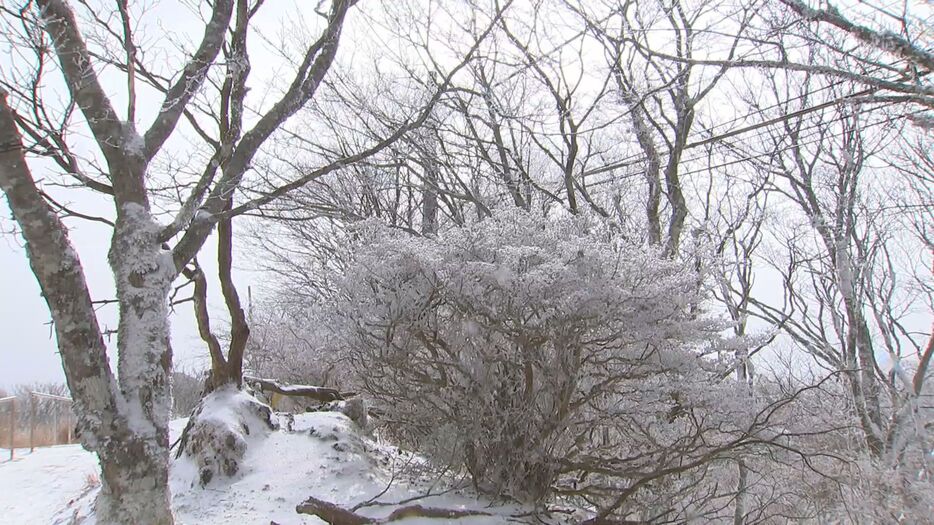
12, 426
32, 423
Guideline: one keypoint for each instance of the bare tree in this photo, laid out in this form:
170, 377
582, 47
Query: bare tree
788, 189
843, 286
123, 416
660, 95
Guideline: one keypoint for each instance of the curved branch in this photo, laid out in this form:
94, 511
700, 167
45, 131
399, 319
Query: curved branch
82, 80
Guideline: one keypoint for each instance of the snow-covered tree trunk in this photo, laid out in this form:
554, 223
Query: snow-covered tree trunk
429, 222
134, 484
126, 428
135, 475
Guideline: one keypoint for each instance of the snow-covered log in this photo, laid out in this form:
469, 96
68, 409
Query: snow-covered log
335, 515
331, 513
314, 392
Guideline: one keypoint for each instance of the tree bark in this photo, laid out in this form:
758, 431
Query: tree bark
123, 427
239, 328
134, 485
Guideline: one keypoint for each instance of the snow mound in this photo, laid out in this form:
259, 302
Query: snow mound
221, 430
322, 455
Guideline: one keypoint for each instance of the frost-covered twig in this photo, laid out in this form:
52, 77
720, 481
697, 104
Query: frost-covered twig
372, 501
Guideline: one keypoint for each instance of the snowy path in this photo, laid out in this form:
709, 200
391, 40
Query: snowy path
322, 457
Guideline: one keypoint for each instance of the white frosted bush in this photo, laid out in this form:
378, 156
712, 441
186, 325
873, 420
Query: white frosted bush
529, 350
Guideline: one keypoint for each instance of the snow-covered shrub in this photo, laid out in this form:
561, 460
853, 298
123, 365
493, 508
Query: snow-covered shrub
541, 354
289, 343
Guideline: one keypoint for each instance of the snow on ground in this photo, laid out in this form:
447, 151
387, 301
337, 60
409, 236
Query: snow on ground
35, 486
321, 456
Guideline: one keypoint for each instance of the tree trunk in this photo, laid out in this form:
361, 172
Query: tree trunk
653, 163
739, 509
430, 201
239, 327
679, 209
135, 466
134, 484
224, 370
127, 428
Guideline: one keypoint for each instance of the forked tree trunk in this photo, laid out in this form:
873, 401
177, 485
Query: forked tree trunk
225, 370
125, 423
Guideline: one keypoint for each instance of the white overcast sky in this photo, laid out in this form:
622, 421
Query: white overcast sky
28, 351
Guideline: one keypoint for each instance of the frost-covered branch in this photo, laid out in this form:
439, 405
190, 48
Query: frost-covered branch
82, 80
336, 515
885, 40
314, 392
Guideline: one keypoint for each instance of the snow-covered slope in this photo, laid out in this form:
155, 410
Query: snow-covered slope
34, 487
321, 456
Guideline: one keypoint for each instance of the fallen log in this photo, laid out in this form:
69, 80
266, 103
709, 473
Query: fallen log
418, 511
331, 513
335, 515
318, 393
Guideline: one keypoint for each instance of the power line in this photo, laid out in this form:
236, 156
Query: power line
769, 153
638, 158
798, 144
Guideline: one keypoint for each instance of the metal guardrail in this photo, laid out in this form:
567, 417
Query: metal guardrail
50, 396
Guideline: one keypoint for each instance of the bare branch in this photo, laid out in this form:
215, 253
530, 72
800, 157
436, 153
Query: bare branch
884, 40
81, 78
191, 78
